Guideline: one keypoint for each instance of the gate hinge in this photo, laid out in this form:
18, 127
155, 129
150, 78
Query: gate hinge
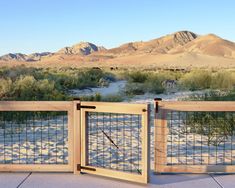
156, 108
79, 168
157, 104
79, 106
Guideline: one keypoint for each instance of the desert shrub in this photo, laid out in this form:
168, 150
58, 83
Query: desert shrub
95, 97
113, 98
213, 95
99, 97
27, 83
196, 80
137, 77
134, 89
154, 83
5, 88
204, 79
223, 80
217, 126
24, 87
28, 88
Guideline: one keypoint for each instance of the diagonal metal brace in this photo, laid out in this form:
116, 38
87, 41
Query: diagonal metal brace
138, 170
110, 139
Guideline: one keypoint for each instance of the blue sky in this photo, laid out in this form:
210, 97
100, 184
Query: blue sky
47, 25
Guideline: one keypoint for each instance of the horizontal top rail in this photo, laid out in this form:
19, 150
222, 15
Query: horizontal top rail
115, 104
213, 106
36, 105
117, 107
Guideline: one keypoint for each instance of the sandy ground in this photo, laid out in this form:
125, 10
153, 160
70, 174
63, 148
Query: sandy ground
186, 60
38, 142
113, 88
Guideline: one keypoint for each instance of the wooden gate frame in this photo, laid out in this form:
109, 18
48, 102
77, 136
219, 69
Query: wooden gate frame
43, 106
76, 138
81, 162
161, 132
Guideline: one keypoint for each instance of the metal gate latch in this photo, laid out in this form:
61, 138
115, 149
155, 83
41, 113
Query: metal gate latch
79, 106
79, 168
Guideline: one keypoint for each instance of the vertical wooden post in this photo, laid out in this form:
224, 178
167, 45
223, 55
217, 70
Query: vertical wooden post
148, 142
77, 137
145, 137
160, 137
71, 136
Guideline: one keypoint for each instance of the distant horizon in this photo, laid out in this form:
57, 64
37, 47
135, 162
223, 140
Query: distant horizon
47, 26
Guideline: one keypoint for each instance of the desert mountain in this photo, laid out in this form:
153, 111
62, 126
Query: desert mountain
24, 57
180, 49
38, 56
157, 46
82, 48
16, 56
209, 45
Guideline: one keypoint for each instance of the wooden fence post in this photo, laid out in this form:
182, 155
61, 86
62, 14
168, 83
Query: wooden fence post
160, 136
77, 137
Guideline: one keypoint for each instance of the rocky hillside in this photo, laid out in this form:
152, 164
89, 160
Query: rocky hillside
16, 57
161, 45
24, 57
209, 45
82, 48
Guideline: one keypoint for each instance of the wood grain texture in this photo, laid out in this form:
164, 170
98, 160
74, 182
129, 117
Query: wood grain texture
43, 106
121, 108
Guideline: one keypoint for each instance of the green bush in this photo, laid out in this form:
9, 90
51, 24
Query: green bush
28, 88
134, 89
96, 97
23, 83
223, 80
213, 96
137, 77
99, 97
5, 88
147, 82
217, 126
154, 83
113, 98
196, 80
204, 79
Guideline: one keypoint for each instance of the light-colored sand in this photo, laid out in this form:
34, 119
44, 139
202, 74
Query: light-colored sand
113, 88
38, 142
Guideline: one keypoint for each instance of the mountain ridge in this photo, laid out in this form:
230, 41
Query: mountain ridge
168, 50
24, 57
82, 48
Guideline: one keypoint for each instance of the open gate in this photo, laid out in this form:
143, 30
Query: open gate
108, 139
114, 140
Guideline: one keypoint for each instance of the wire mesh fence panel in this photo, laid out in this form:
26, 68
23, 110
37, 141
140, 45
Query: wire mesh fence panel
200, 138
114, 141
195, 137
33, 137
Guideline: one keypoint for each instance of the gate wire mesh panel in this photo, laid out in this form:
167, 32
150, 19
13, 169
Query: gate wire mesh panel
114, 141
201, 138
33, 138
